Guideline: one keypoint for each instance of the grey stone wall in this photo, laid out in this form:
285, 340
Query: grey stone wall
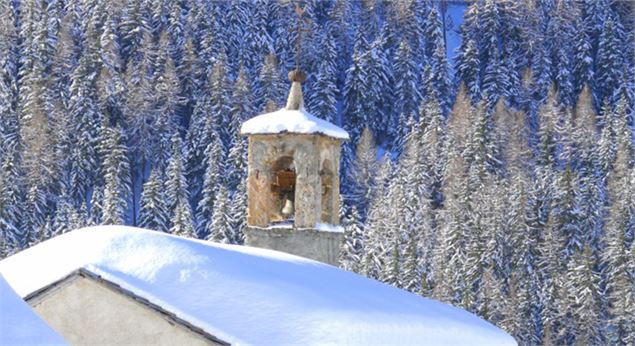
310, 243
85, 312
309, 153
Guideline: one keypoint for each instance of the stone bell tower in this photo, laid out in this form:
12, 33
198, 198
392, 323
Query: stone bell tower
293, 180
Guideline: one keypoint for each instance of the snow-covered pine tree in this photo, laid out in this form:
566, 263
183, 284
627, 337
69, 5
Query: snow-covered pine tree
490, 299
209, 120
10, 214
140, 117
494, 80
393, 258
242, 103
377, 99
395, 224
35, 126
434, 145
236, 22
116, 177
61, 223
605, 150
468, 68
177, 193
87, 121
619, 235
450, 253
220, 101
324, 92
175, 27
213, 179
363, 172
459, 119
585, 123
609, 64
488, 19
134, 25
341, 26
9, 121
550, 266
238, 213
585, 138
355, 89
166, 104
582, 60
153, 212
236, 164
584, 287
182, 224
376, 222
560, 30
220, 228
353, 245
548, 119
406, 89
110, 83
34, 221
256, 34
566, 212
535, 218
515, 47
10, 195
439, 83
415, 276
540, 72
270, 88
96, 205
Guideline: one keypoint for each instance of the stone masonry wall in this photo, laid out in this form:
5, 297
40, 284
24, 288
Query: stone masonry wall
309, 152
330, 154
309, 243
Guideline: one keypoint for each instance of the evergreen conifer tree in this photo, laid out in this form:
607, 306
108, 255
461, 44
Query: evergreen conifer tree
355, 89
177, 194
270, 87
220, 228
153, 213
609, 65
353, 245
116, 170
214, 178
363, 172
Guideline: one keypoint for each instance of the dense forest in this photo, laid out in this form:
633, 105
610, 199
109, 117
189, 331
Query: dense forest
500, 179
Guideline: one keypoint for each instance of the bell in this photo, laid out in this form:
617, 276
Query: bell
287, 210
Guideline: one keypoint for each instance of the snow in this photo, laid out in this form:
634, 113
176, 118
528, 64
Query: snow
246, 295
19, 325
325, 227
291, 121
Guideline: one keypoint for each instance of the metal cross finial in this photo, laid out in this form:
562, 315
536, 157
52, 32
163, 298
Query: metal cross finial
299, 11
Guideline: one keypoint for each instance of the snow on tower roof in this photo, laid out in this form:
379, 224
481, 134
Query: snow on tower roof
19, 325
246, 295
291, 121
293, 118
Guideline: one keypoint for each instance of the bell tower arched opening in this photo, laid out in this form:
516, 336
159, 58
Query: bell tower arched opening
283, 188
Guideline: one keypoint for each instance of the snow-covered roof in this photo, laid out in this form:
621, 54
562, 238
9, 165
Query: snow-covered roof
291, 121
19, 325
246, 295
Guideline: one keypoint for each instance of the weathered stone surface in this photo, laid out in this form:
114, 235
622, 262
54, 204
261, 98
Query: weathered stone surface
310, 243
314, 158
86, 312
329, 180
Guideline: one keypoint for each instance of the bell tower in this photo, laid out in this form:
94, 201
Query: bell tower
293, 180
